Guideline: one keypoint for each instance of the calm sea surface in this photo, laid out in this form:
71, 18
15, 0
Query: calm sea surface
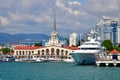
56, 71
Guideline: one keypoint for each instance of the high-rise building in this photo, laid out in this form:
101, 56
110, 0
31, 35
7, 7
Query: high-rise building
118, 34
107, 28
73, 39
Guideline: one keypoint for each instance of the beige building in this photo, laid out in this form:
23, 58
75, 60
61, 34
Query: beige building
45, 52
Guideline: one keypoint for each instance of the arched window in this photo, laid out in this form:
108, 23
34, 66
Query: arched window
38, 52
47, 51
16, 52
62, 52
29, 52
32, 52
66, 53
57, 51
52, 51
42, 52
20, 52
23, 52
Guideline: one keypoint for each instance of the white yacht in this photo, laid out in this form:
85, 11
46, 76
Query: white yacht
89, 51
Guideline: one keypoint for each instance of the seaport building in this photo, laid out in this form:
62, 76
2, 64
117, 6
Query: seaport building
53, 49
50, 52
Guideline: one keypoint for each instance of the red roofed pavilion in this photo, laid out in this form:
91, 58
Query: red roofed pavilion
114, 51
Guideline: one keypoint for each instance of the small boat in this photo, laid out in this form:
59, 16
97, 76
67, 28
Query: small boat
31, 60
69, 60
10, 58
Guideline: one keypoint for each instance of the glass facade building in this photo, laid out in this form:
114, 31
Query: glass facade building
107, 28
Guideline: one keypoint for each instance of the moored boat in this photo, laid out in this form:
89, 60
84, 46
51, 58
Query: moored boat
89, 51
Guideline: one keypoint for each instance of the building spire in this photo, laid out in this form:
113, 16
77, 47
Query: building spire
54, 21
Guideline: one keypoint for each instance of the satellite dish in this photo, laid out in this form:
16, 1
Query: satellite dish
88, 38
98, 38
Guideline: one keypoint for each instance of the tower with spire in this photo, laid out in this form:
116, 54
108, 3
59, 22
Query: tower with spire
54, 41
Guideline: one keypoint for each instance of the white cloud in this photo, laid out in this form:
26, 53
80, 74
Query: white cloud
60, 4
74, 3
34, 16
21, 18
15, 16
69, 8
41, 19
4, 21
100, 7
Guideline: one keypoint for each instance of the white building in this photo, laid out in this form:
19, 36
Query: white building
73, 39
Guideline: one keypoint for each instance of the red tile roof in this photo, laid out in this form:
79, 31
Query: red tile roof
114, 51
71, 47
36, 47
26, 47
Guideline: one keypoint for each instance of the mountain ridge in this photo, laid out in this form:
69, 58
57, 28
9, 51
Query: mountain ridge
13, 38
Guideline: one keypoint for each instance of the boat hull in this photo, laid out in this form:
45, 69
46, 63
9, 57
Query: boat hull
84, 58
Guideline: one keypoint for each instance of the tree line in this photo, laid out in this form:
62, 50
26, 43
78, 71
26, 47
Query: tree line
109, 46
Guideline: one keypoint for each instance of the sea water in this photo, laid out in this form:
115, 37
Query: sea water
56, 71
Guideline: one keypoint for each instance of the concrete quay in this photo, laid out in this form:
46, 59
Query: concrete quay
108, 63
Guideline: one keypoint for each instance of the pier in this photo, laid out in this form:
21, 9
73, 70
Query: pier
108, 63
111, 59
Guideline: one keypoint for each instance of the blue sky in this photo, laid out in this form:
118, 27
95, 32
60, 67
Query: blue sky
36, 16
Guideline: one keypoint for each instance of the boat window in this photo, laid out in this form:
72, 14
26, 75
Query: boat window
90, 48
90, 44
